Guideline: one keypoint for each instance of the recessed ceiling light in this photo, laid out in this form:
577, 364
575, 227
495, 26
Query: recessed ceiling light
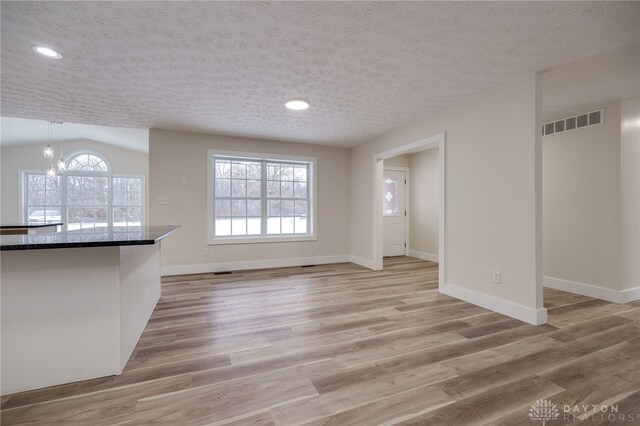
297, 104
47, 52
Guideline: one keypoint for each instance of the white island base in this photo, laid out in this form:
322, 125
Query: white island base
71, 314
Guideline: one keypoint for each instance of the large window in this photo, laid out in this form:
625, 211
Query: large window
256, 198
87, 196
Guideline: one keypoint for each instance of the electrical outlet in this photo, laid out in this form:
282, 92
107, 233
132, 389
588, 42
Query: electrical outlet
497, 277
162, 200
205, 251
318, 245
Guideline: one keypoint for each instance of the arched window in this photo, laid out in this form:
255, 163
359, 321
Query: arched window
87, 161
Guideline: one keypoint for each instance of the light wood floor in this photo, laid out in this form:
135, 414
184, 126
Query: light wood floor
341, 345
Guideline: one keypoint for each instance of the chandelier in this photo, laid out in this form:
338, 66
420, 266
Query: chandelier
49, 152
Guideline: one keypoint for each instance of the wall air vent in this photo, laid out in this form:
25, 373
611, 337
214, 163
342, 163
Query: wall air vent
573, 123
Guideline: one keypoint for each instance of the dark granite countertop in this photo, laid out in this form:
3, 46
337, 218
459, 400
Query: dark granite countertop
94, 237
29, 225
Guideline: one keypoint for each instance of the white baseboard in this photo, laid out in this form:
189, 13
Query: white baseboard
251, 264
514, 310
590, 290
630, 294
367, 263
423, 255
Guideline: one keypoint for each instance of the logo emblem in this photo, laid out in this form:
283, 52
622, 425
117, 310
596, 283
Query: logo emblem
543, 410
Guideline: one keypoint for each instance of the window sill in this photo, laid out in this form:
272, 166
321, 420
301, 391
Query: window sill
260, 240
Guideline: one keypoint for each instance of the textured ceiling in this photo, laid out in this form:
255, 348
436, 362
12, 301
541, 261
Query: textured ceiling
228, 67
591, 82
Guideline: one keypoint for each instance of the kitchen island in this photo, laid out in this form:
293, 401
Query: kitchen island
75, 303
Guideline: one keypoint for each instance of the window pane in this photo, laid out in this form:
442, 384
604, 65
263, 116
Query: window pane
85, 217
239, 188
273, 172
42, 190
73, 190
223, 227
223, 188
84, 190
300, 173
36, 182
273, 225
127, 216
301, 225
134, 217
102, 220
53, 190
273, 208
53, 214
36, 197
301, 208
43, 198
238, 171
390, 197
101, 190
73, 218
134, 194
287, 190
88, 162
273, 189
127, 191
35, 214
254, 208
120, 198
43, 214
223, 208
120, 188
223, 169
287, 225
254, 226
254, 171
286, 172
300, 190
239, 226
287, 208
254, 188
239, 208
120, 216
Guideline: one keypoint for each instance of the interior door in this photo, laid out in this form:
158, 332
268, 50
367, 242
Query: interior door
394, 213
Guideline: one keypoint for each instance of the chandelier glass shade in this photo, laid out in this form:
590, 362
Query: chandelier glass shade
49, 153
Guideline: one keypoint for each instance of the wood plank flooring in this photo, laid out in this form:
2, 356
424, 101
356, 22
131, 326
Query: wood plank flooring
342, 345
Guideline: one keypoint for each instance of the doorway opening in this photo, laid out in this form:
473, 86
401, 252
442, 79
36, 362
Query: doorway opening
388, 202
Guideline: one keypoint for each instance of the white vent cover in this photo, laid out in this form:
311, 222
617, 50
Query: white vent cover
572, 123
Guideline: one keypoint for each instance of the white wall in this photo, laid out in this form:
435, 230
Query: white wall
176, 154
423, 212
397, 161
581, 199
29, 156
630, 195
493, 195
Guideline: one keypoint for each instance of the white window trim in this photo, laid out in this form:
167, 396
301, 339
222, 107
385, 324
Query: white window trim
313, 199
22, 191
